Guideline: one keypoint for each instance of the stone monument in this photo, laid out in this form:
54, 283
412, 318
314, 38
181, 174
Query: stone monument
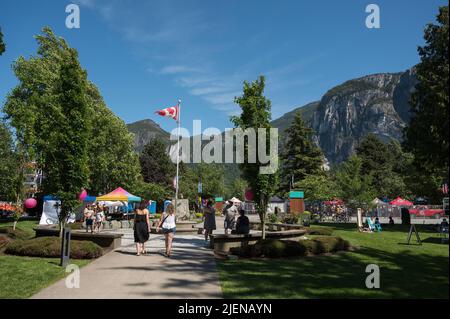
182, 210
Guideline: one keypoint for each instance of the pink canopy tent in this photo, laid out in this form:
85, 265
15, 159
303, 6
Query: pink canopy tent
400, 202
334, 202
119, 194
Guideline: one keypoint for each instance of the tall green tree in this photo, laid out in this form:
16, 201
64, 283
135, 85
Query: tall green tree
112, 161
156, 165
32, 109
8, 165
211, 176
318, 187
237, 188
355, 187
256, 114
385, 163
302, 157
152, 191
427, 135
2, 44
66, 160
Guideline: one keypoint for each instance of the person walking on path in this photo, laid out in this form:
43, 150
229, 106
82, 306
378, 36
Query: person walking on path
141, 228
99, 218
88, 218
168, 225
230, 212
209, 224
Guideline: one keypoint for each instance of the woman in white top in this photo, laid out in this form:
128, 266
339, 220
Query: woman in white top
168, 225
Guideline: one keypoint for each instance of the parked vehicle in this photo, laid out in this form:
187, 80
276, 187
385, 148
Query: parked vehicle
424, 211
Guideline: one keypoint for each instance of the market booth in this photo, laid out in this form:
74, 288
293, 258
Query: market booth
118, 198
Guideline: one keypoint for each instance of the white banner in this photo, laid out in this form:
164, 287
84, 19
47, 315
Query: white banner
50, 214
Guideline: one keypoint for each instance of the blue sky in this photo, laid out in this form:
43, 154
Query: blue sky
143, 55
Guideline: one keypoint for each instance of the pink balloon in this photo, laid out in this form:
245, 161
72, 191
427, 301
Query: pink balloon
83, 195
249, 194
30, 203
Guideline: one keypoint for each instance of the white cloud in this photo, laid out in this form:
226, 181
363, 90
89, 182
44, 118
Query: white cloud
176, 69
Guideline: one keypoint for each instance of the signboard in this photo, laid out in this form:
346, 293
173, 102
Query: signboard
218, 199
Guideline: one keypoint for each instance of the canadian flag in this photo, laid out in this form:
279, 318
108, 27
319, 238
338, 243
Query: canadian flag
172, 112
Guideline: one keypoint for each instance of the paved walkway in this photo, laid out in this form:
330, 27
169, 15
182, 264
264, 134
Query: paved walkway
190, 272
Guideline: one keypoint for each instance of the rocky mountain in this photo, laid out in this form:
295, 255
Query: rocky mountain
375, 104
146, 130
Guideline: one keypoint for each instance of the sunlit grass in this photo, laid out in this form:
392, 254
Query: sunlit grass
407, 271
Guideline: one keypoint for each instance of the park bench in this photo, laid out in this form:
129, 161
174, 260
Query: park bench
108, 241
222, 243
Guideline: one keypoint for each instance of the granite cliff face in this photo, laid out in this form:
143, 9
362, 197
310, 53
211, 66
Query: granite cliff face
375, 104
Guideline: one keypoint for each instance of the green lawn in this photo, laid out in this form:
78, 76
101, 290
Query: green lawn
21, 277
407, 271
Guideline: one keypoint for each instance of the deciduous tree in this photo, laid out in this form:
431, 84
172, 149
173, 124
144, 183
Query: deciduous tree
256, 114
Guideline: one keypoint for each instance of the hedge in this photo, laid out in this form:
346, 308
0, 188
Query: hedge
275, 248
325, 244
51, 247
4, 240
14, 234
319, 231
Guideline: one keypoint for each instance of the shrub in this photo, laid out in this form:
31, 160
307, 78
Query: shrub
4, 240
272, 218
75, 225
325, 244
155, 216
319, 231
51, 247
14, 234
274, 248
271, 248
199, 215
305, 219
290, 220
315, 219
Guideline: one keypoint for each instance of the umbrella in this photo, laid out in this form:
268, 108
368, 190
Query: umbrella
400, 202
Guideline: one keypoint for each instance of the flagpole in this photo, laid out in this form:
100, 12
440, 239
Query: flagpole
178, 156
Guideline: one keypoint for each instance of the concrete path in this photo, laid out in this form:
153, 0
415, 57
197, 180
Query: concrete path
190, 272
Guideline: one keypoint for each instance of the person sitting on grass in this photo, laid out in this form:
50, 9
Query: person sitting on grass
391, 221
377, 224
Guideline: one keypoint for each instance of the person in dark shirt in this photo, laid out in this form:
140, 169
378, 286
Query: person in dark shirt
242, 223
391, 220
